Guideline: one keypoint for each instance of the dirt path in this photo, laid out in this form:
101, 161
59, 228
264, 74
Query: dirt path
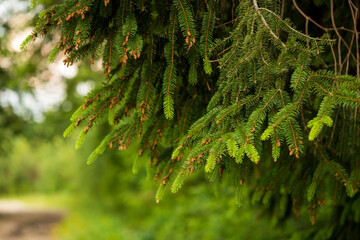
19, 221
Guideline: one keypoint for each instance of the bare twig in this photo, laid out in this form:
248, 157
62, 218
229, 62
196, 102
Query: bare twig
355, 17
335, 29
325, 28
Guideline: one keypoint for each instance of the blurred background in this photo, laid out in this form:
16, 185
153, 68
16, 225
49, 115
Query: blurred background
105, 200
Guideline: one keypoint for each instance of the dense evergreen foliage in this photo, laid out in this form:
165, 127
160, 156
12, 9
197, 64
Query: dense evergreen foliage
233, 89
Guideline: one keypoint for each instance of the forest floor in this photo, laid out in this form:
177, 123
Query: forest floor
19, 221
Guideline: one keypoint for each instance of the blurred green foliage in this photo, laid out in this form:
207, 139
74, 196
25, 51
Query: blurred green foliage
106, 201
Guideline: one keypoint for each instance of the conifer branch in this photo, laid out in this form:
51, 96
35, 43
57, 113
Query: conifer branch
265, 78
293, 29
266, 24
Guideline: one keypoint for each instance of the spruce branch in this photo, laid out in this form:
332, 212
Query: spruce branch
257, 9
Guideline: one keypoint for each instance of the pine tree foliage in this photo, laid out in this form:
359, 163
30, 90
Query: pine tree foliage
226, 88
